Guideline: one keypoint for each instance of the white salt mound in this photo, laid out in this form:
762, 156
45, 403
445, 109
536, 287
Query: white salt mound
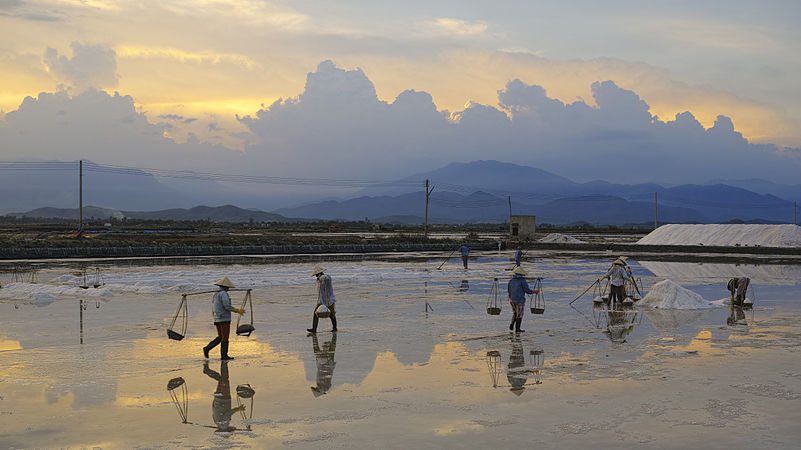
670, 295
42, 296
561, 239
725, 235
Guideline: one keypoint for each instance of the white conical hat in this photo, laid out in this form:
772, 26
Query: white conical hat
225, 282
318, 270
519, 271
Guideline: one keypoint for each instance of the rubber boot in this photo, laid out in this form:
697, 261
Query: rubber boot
333, 323
211, 345
224, 352
512, 325
315, 321
518, 322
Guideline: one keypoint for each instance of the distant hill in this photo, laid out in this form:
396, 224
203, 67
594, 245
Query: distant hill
227, 213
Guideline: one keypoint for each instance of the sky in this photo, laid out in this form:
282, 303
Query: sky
626, 91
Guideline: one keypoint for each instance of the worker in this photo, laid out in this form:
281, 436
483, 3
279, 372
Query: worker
222, 319
465, 252
617, 276
518, 257
518, 288
738, 287
325, 297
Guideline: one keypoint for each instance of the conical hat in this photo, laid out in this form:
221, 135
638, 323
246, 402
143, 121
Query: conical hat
520, 271
225, 282
318, 270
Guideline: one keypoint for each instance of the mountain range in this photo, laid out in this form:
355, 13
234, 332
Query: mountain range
479, 191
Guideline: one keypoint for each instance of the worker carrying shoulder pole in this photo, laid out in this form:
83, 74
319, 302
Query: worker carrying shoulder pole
617, 276
222, 319
518, 288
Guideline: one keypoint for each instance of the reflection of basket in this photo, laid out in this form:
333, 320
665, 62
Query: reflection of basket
245, 391
493, 311
323, 312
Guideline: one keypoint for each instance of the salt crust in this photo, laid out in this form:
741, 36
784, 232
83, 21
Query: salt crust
561, 239
668, 294
730, 235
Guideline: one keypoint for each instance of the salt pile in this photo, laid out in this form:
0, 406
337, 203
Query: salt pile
670, 295
725, 235
561, 239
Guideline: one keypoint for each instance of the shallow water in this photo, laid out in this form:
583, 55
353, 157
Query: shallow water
92, 367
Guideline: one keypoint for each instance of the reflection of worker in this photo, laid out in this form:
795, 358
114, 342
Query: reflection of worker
324, 357
222, 318
516, 372
736, 316
465, 253
464, 286
518, 288
325, 297
617, 276
518, 257
738, 287
221, 411
617, 327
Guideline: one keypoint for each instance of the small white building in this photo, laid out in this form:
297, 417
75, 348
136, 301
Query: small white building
522, 227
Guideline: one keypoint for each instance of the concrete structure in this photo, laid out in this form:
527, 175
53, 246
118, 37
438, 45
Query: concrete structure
522, 227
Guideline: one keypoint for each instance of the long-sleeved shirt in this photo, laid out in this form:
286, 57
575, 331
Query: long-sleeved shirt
518, 288
464, 250
222, 306
617, 275
325, 290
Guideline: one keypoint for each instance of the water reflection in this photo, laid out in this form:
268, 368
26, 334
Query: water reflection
619, 321
736, 316
519, 373
222, 410
324, 357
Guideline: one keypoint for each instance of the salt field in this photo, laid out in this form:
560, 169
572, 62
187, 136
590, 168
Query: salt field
417, 362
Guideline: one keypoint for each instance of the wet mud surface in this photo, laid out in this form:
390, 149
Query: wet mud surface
87, 368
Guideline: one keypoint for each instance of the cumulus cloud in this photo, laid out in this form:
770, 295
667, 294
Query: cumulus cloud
91, 66
459, 27
339, 126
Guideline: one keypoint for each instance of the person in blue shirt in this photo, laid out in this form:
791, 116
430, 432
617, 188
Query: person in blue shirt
518, 257
465, 253
518, 288
222, 319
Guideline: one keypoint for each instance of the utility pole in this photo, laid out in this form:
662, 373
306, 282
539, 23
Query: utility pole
795, 209
510, 210
80, 196
428, 193
656, 221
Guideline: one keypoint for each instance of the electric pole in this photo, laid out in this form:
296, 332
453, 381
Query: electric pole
795, 209
656, 221
428, 193
80, 195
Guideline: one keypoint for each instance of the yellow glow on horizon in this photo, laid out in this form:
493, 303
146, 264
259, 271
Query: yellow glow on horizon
142, 52
7, 345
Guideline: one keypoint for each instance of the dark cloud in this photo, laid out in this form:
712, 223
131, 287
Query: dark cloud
91, 66
338, 125
171, 117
